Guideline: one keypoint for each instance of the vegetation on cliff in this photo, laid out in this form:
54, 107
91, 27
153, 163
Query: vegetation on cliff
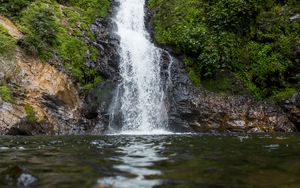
254, 42
5, 93
56, 29
30, 114
7, 43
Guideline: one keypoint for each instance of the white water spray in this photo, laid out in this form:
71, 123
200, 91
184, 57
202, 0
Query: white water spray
140, 94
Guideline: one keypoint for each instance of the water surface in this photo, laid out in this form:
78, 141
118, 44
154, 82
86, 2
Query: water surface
151, 161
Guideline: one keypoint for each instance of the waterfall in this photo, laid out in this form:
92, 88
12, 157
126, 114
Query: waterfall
140, 92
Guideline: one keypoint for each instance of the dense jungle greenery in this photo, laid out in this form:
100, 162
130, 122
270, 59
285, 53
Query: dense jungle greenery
55, 28
229, 46
224, 42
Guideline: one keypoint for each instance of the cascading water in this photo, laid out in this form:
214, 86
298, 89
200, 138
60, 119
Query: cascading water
140, 93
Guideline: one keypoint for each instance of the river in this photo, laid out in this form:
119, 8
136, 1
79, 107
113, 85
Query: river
178, 160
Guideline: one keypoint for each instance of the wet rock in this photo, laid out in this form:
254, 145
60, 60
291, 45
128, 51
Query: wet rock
17, 176
10, 114
98, 100
97, 104
26, 128
26, 180
195, 109
292, 108
108, 43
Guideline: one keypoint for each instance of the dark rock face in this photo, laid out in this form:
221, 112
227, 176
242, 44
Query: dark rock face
197, 110
25, 128
292, 108
58, 110
107, 43
97, 105
98, 100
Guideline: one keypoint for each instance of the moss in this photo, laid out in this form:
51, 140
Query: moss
5, 94
7, 43
30, 114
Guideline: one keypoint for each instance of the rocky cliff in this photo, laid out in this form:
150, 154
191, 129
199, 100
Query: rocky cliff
196, 109
45, 100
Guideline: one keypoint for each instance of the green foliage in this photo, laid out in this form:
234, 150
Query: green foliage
267, 70
5, 93
283, 94
40, 26
30, 114
7, 43
226, 83
255, 40
193, 71
51, 29
89, 8
13, 8
72, 51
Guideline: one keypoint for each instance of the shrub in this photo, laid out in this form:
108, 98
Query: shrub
51, 29
13, 8
5, 94
30, 114
40, 26
253, 39
7, 43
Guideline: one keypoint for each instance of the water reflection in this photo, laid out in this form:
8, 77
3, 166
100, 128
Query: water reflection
150, 161
136, 160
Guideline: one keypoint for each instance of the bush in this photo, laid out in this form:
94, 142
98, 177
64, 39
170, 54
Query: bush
253, 39
30, 114
13, 8
5, 94
72, 51
7, 43
51, 29
40, 26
